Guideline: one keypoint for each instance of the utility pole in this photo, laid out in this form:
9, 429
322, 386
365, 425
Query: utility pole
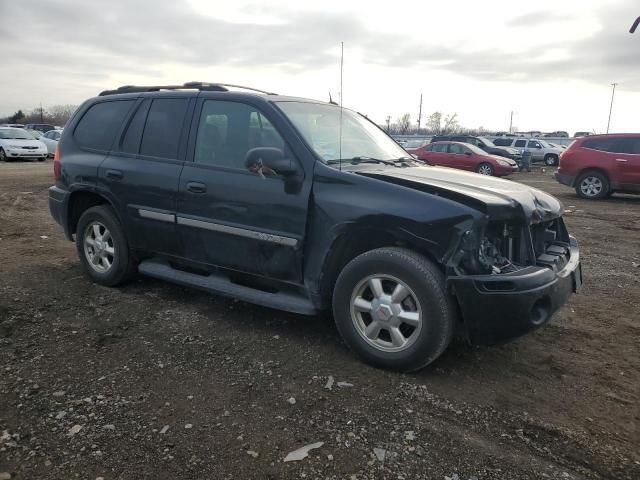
41, 114
511, 122
419, 114
613, 92
388, 123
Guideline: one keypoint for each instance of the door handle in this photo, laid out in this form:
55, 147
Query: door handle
621, 160
114, 174
196, 187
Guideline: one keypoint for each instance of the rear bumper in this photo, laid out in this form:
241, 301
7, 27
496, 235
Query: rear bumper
496, 308
564, 179
58, 203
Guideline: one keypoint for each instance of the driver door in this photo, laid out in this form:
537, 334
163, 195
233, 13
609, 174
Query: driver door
230, 216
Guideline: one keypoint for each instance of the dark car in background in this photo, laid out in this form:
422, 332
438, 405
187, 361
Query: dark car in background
599, 165
248, 194
40, 127
481, 142
465, 156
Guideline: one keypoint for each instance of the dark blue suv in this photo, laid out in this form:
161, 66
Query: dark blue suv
304, 206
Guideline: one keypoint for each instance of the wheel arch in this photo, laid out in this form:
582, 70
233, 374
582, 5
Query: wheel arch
356, 240
79, 202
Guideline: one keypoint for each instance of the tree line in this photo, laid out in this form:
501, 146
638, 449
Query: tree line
57, 115
437, 123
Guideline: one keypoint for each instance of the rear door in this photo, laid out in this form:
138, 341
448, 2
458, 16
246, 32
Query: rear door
142, 171
230, 216
627, 162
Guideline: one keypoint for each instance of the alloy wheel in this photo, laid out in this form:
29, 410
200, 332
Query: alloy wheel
591, 186
386, 313
98, 247
484, 170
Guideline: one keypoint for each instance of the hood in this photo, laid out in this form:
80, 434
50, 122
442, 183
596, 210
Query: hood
496, 197
23, 142
504, 159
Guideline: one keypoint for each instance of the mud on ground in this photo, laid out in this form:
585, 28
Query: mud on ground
153, 380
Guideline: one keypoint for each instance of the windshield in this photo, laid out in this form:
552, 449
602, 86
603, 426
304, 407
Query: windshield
474, 149
545, 144
487, 142
319, 124
15, 134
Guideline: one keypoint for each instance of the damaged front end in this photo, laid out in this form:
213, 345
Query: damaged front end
509, 277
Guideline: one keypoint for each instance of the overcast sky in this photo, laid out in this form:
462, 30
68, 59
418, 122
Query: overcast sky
551, 62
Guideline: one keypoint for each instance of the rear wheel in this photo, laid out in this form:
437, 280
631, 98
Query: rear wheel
103, 248
391, 308
551, 160
592, 185
485, 169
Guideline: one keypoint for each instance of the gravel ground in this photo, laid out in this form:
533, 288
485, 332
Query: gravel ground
153, 380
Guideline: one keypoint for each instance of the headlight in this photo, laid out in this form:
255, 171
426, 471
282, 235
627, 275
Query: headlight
503, 163
14, 146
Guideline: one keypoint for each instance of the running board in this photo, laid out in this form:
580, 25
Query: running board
215, 283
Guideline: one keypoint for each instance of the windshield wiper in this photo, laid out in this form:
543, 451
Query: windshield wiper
356, 160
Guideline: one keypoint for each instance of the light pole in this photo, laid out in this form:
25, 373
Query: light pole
511, 122
613, 92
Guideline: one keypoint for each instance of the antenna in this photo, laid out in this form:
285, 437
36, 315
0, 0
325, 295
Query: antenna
340, 134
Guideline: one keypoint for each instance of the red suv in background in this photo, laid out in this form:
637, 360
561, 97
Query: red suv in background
599, 165
465, 156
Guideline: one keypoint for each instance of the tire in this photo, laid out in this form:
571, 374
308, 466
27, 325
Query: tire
3, 155
42, 159
593, 186
485, 169
426, 303
551, 160
119, 266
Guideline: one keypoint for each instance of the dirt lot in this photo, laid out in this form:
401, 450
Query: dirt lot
157, 381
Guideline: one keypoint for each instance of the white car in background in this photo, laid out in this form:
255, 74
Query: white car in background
16, 143
51, 139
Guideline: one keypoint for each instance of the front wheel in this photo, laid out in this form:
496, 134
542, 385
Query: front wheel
103, 248
485, 169
3, 155
551, 160
391, 307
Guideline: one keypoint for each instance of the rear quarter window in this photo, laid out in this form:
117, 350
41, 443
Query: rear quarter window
98, 127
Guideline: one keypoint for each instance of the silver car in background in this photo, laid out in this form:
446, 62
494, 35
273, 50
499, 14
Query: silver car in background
51, 139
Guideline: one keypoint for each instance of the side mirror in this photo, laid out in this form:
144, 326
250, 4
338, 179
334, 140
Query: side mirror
269, 161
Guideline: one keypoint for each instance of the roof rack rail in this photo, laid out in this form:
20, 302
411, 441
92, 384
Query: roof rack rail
202, 86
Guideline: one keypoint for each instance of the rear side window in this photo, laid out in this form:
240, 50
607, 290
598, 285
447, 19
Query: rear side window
439, 147
520, 143
163, 128
614, 145
502, 142
98, 127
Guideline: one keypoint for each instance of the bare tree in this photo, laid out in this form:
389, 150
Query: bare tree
451, 124
434, 123
60, 114
404, 124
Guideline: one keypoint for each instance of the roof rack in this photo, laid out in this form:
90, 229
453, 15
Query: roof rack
202, 86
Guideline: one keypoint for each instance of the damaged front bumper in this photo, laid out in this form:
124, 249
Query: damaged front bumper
496, 308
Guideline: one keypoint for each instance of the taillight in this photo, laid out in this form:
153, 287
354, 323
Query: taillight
57, 167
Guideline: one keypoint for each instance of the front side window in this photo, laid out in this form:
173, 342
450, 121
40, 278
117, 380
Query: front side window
533, 144
163, 128
455, 148
99, 126
335, 135
228, 130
